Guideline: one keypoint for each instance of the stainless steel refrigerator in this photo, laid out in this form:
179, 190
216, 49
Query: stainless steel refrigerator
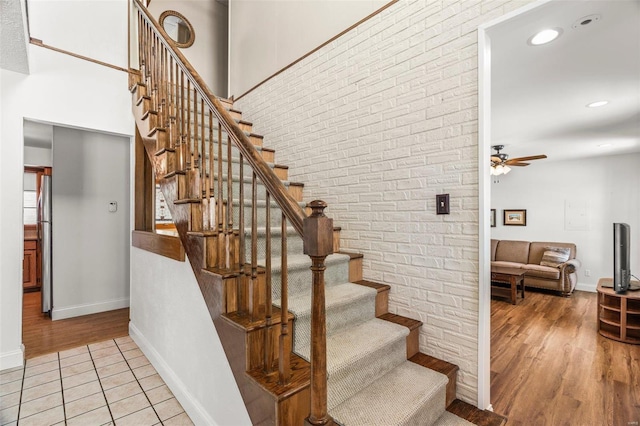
44, 239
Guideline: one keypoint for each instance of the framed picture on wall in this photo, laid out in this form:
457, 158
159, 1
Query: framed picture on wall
515, 217
493, 218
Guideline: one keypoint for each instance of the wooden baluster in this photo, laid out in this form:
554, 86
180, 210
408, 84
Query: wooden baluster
156, 82
194, 176
165, 97
183, 152
222, 231
203, 150
242, 258
147, 53
196, 142
188, 141
204, 183
318, 244
172, 104
211, 186
268, 335
154, 70
141, 43
284, 364
254, 289
231, 255
162, 114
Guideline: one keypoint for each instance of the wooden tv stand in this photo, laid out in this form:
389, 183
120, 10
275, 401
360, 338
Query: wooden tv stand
618, 314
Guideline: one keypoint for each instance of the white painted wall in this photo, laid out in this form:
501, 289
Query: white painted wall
377, 123
34, 156
90, 244
93, 28
607, 189
267, 35
56, 91
208, 54
76, 94
171, 323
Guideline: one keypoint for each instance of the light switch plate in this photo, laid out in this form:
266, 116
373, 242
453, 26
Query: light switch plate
113, 206
442, 204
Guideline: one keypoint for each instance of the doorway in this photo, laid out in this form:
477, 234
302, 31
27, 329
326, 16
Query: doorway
585, 135
90, 237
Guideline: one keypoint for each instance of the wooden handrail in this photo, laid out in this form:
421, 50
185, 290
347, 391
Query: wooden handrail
289, 206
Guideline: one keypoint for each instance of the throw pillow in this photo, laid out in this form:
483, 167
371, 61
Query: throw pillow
555, 256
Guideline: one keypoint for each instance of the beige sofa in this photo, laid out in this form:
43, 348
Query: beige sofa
527, 255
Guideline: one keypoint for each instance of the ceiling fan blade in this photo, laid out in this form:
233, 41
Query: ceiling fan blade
529, 158
517, 164
495, 159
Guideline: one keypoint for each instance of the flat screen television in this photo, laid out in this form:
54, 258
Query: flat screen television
621, 257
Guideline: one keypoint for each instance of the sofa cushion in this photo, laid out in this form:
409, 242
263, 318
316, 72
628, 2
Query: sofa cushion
538, 248
513, 251
507, 264
539, 271
555, 256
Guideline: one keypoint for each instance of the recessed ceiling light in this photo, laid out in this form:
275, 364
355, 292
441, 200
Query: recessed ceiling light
544, 36
597, 104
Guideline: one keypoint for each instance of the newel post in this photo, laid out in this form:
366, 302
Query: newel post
318, 244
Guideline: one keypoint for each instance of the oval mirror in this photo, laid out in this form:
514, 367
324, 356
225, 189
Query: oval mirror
178, 28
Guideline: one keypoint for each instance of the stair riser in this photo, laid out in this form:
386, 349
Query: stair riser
338, 317
294, 244
299, 277
276, 215
356, 376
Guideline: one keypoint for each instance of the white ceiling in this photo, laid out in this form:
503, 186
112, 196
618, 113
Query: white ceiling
539, 93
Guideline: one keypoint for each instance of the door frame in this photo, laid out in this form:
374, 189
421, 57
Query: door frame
484, 201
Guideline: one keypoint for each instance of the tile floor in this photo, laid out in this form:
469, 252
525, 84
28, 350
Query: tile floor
105, 383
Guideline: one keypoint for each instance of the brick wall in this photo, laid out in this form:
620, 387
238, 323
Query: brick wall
377, 123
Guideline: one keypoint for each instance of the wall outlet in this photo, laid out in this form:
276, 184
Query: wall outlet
587, 272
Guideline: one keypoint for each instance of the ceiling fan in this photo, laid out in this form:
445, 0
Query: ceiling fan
500, 162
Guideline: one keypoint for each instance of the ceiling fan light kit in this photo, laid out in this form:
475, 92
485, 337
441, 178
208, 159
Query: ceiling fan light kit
500, 161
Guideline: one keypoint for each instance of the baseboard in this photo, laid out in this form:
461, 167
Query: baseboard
12, 359
90, 308
194, 409
586, 287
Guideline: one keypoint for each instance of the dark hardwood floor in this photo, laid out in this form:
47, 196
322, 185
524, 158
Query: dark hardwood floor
41, 336
549, 365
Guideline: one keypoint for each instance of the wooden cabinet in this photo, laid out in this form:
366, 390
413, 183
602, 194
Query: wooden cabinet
30, 281
618, 314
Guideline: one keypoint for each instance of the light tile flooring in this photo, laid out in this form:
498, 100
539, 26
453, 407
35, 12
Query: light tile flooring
105, 383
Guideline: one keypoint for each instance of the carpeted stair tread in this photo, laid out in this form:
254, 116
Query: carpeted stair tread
346, 305
358, 355
355, 342
407, 395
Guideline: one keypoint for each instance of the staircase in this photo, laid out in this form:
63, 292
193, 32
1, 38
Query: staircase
306, 337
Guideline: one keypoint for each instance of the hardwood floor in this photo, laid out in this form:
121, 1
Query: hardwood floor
41, 336
549, 365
